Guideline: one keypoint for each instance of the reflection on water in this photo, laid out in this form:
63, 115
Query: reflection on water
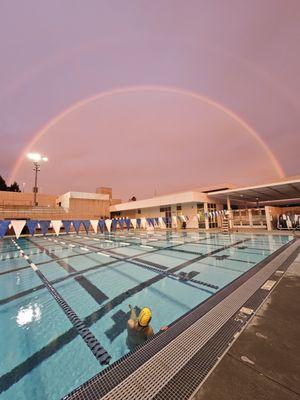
29, 314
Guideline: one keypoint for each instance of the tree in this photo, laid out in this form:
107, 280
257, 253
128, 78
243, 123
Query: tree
2, 184
133, 198
14, 187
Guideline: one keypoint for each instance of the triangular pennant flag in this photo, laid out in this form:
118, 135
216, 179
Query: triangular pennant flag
143, 223
56, 225
86, 224
101, 224
161, 222
67, 225
76, 225
121, 223
128, 223
4, 227
139, 221
114, 224
108, 224
18, 226
94, 223
133, 221
44, 225
174, 221
156, 220
32, 225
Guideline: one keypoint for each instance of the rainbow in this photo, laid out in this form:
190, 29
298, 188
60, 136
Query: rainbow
29, 147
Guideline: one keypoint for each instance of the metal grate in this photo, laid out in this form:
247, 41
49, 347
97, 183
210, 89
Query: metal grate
188, 380
181, 343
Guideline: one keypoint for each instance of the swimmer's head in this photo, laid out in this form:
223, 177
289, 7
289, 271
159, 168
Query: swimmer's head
145, 317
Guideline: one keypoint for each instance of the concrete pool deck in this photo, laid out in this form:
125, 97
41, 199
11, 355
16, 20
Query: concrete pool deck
264, 361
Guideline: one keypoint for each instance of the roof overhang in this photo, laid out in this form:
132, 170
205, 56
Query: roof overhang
272, 193
167, 200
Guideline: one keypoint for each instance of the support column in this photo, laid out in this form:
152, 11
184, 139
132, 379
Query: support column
230, 216
250, 217
206, 215
268, 218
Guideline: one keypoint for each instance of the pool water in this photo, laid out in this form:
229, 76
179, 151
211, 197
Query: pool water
42, 354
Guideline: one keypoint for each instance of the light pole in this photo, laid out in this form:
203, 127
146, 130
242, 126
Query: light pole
36, 158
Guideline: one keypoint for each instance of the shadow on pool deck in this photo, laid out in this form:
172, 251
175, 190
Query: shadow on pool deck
264, 362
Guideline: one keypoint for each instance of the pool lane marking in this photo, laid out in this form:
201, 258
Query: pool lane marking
170, 274
68, 268
18, 372
93, 290
115, 261
91, 341
88, 286
102, 254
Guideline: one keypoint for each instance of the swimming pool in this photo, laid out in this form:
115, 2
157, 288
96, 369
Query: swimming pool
98, 276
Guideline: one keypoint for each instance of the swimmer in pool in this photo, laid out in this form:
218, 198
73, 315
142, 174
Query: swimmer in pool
139, 328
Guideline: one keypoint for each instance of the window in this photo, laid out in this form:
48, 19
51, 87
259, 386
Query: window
165, 209
179, 207
139, 211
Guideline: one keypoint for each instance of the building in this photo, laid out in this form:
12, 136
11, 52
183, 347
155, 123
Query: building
260, 206
71, 205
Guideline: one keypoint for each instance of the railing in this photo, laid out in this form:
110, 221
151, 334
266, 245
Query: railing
44, 212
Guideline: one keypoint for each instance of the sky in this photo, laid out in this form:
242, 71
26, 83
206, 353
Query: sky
149, 97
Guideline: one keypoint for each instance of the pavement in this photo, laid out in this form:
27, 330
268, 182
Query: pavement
264, 362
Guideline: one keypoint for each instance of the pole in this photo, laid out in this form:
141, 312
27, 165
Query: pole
36, 168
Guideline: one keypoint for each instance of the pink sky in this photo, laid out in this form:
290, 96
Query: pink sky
242, 56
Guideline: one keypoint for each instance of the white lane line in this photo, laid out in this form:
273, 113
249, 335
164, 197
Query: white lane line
108, 241
72, 245
63, 242
146, 247
84, 248
102, 254
97, 240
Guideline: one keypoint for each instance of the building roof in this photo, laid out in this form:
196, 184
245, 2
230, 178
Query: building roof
287, 189
85, 196
284, 189
158, 201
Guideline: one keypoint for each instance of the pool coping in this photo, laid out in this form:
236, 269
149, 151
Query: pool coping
127, 367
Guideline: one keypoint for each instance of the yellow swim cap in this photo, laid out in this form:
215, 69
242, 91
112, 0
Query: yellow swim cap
145, 316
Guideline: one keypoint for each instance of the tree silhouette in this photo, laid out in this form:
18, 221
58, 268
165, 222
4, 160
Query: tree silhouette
14, 187
2, 184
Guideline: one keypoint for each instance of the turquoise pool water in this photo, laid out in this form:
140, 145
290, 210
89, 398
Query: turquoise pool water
42, 355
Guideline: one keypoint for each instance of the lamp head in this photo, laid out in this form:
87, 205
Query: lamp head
36, 157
